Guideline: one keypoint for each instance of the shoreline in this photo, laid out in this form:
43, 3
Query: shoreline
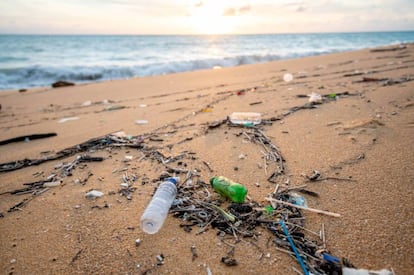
359, 135
201, 70
123, 58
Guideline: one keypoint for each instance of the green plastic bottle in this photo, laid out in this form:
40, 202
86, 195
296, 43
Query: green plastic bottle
229, 189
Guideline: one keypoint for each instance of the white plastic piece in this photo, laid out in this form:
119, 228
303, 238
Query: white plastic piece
352, 271
315, 98
65, 119
141, 121
52, 184
287, 77
94, 194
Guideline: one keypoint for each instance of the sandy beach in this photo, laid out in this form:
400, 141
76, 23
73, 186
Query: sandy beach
360, 139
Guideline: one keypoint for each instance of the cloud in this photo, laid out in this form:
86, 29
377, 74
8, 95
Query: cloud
236, 11
164, 16
229, 12
244, 9
300, 9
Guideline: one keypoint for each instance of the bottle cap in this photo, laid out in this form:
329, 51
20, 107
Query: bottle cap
173, 180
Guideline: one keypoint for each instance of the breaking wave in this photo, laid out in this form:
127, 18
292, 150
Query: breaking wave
33, 76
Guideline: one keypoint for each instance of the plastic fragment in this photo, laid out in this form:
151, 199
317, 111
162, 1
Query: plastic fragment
141, 121
315, 98
287, 77
94, 194
66, 119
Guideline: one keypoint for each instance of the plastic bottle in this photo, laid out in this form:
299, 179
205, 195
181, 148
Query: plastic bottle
245, 118
229, 189
157, 210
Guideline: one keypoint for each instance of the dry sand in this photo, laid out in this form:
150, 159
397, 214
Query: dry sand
368, 136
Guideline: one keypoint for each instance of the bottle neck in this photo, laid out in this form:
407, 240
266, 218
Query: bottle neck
173, 180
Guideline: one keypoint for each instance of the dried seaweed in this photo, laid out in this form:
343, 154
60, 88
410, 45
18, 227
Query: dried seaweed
197, 208
95, 143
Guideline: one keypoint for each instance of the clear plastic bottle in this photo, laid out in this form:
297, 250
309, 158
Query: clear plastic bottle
157, 210
245, 118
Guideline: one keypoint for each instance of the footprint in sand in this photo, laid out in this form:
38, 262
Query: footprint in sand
363, 124
361, 127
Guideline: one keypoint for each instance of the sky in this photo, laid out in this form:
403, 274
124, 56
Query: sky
203, 16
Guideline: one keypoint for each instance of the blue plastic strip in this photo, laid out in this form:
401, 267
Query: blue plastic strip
292, 244
330, 258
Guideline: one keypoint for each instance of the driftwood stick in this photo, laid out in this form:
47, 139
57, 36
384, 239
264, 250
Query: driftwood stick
27, 138
208, 166
276, 189
305, 208
323, 236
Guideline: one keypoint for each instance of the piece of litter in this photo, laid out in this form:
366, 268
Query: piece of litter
245, 118
141, 121
94, 194
52, 184
287, 77
315, 98
120, 134
352, 271
129, 158
124, 185
297, 199
114, 107
142, 105
160, 258
208, 270
137, 242
65, 119
315, 175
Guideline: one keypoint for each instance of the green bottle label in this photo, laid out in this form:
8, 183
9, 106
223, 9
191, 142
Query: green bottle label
229, 189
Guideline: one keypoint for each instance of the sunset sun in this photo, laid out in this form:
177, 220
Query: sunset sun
210, 18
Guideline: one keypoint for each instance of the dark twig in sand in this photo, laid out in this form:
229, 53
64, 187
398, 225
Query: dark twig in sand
333, 178
208, 166
27, 138
74, 258
18, 206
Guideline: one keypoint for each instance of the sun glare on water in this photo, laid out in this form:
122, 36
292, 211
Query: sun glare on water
208, 17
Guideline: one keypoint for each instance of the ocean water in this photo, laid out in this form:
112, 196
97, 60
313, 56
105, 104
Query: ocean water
39, 60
